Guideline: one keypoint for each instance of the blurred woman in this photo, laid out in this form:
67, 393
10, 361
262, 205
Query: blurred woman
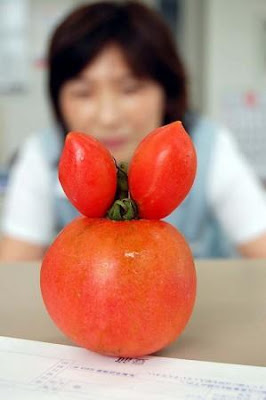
115, 73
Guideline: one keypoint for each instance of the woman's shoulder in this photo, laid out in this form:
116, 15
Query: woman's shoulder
206, 127
33, 161
213, 138
50, 142
41, 147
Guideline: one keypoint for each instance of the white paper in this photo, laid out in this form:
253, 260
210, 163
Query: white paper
36, 370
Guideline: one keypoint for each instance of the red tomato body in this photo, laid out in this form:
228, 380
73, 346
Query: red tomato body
87, 173
119, 288
162, 171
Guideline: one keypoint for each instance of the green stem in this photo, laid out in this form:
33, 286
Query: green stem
122, 181
124, 208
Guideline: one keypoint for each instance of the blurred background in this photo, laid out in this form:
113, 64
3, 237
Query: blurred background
223, 44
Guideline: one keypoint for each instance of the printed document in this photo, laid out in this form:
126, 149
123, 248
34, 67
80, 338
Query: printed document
31, 370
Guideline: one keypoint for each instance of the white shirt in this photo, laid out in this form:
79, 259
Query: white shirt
233, 192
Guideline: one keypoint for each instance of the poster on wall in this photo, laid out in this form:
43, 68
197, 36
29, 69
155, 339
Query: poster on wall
244, 113
14, 52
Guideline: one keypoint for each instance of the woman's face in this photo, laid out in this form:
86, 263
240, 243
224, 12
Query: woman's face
107, 101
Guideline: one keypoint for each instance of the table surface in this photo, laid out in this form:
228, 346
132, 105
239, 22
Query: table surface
228, 322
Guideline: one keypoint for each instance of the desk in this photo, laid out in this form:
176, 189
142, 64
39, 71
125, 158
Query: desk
228, 323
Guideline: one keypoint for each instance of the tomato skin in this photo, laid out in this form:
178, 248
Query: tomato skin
119, 288
87, 173
162, 171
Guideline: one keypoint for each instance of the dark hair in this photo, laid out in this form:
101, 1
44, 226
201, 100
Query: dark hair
142, 35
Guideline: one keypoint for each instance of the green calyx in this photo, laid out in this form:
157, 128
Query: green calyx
124, 208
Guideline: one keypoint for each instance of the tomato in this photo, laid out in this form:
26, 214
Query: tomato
162, 171
87, 173
119, 285
120, 288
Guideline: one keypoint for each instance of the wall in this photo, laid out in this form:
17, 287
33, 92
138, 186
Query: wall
191, 45
235, 46
23, 113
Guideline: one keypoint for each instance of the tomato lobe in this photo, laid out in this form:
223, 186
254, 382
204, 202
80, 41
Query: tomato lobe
87, 173
162, 171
